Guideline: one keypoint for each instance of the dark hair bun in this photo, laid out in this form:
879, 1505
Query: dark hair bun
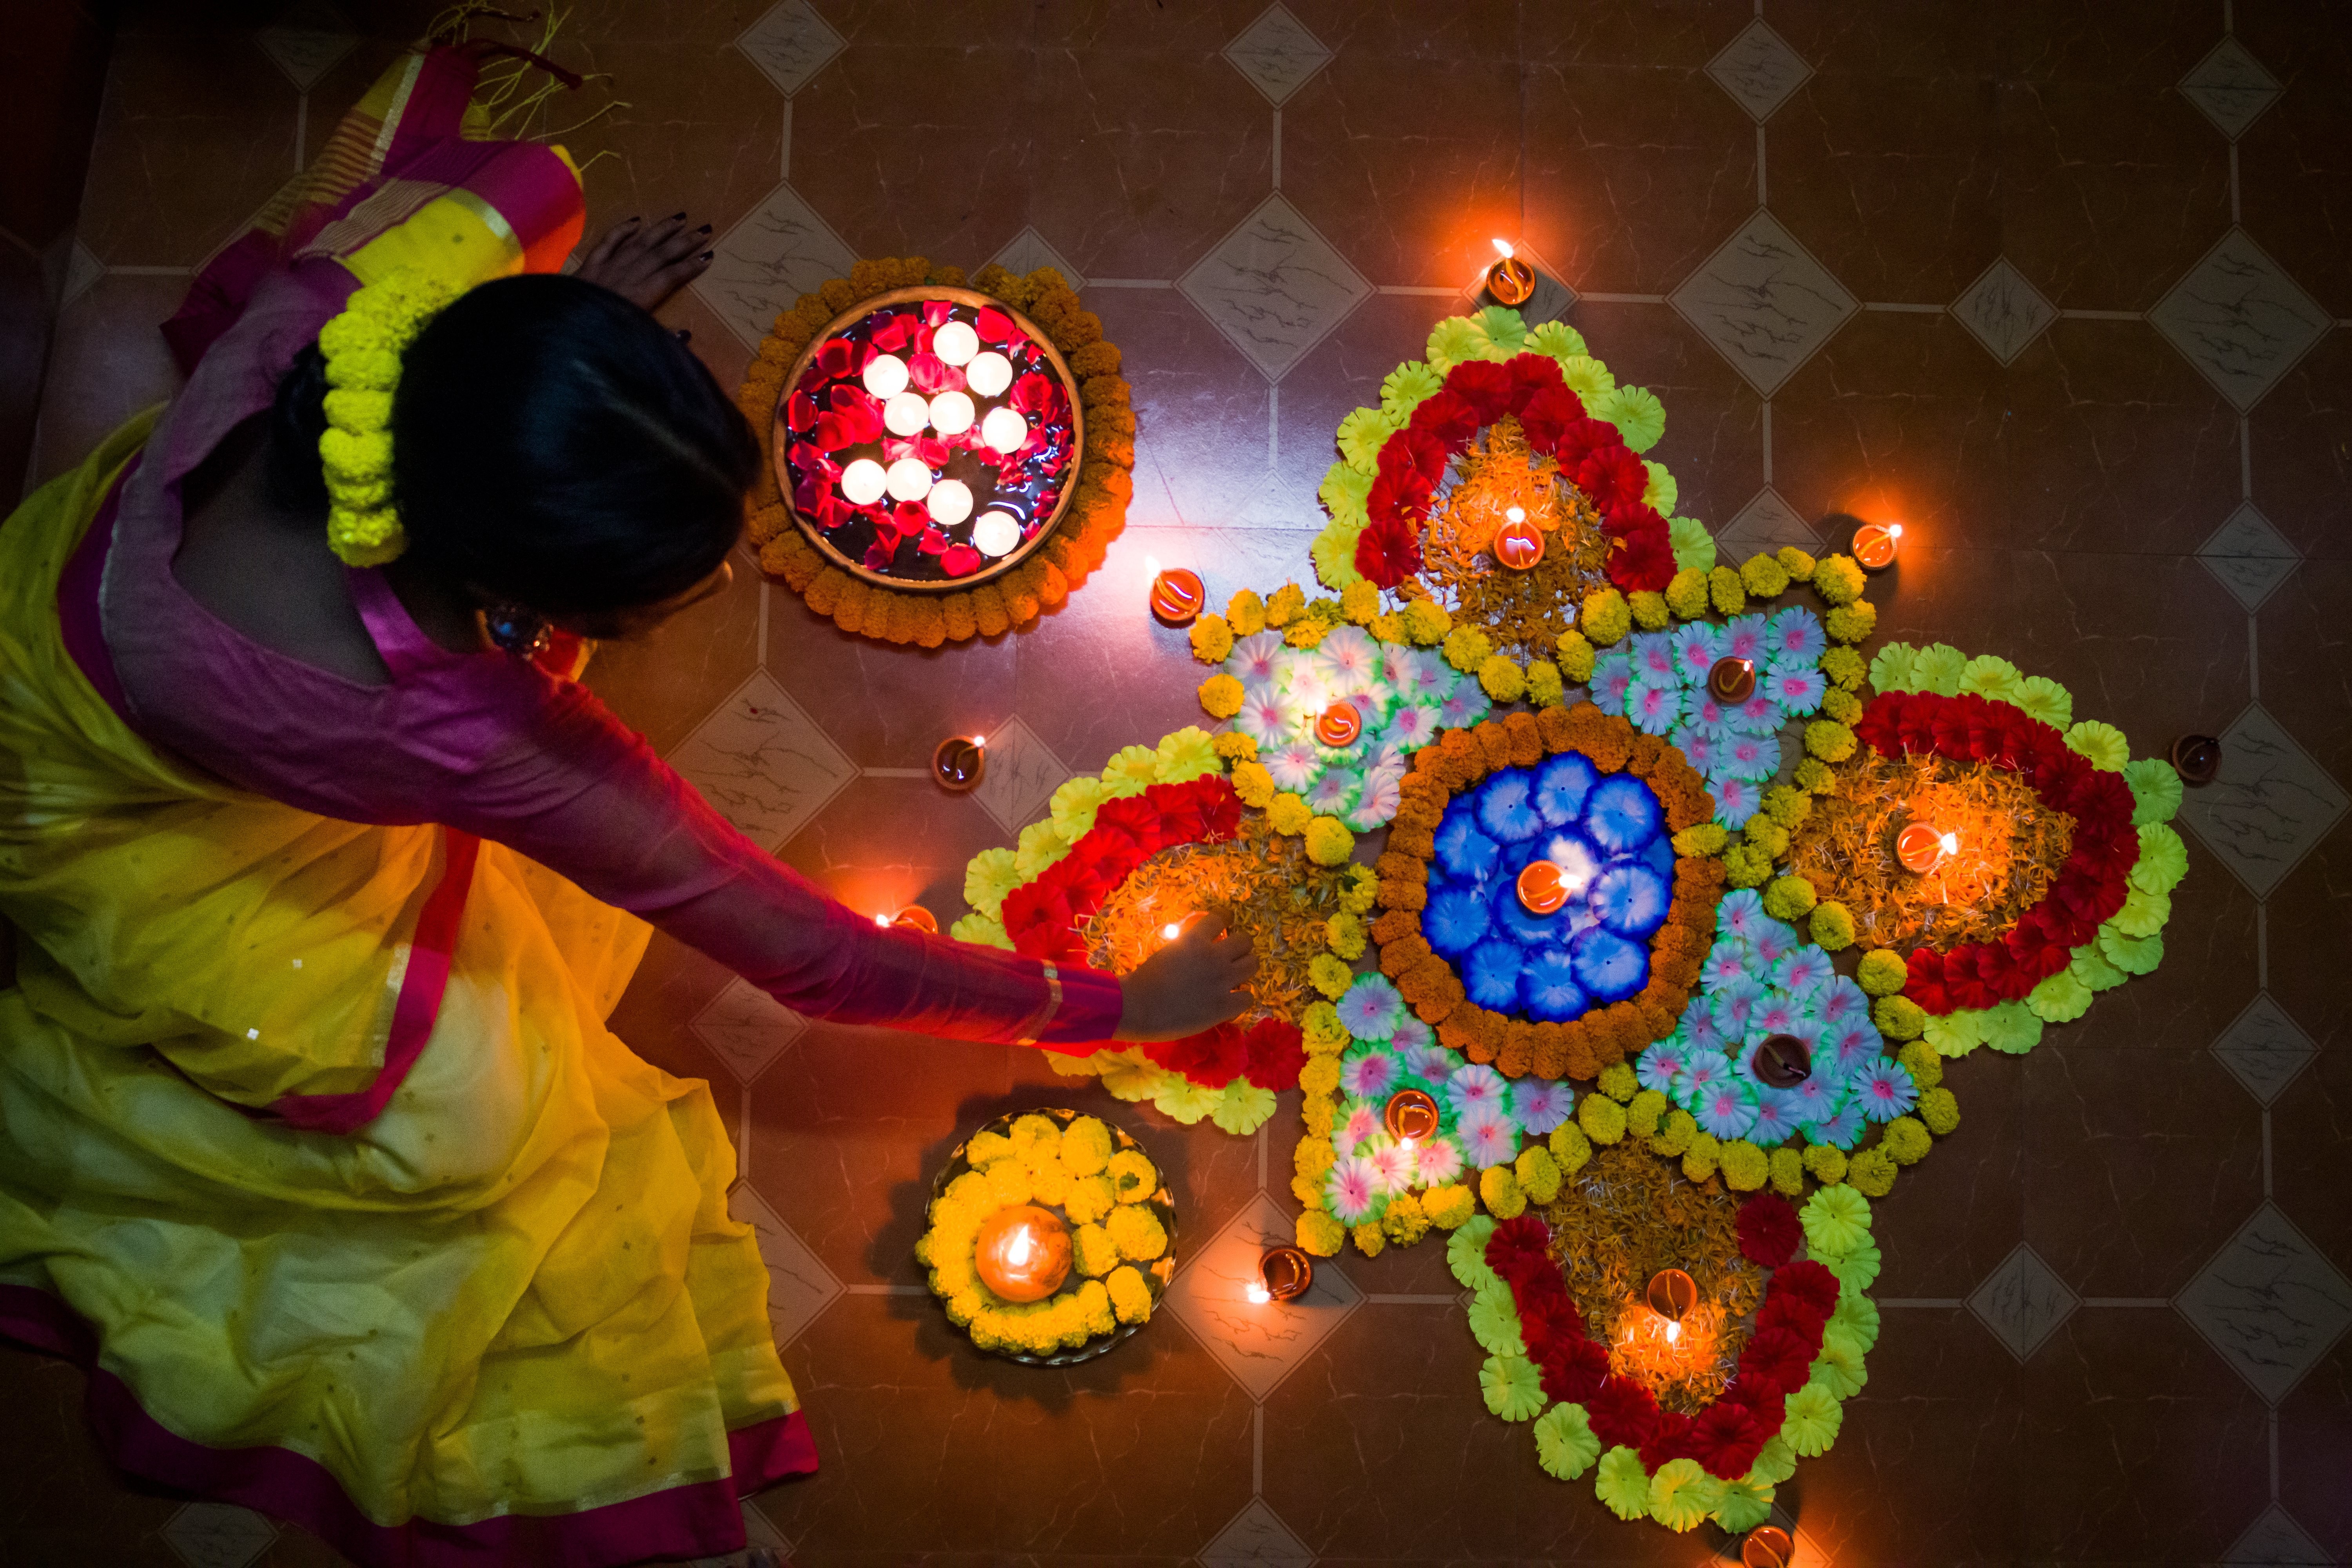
555, 445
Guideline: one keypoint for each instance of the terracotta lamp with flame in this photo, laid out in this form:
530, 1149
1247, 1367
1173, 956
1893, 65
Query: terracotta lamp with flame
1509, 280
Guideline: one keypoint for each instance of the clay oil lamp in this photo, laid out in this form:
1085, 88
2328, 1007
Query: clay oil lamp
1339, 725
1542, 889
1671, 1294
1766, 1546
1177, 595
1023, 1253
1284, 1273
914, 917
1518, 543
959, 762
2197, 759
1875, 545
1509, 281
1782, 1061
1731, 682
1410, 1116
1922, 847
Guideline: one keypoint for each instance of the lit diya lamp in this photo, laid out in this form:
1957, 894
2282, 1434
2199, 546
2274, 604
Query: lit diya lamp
1671, 1294
1509, 281
1176, 594
914, 917
2197, 759
1339, 724
1874, 545
1782, 1061
1410, 1116
1023, 1253
1542, 889
1766, 1546
1284, 1273
1518, 543
1731, 681
958, 762
1922, 847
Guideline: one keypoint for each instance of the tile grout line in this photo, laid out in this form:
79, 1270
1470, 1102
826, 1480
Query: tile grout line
2262, 947
2266, 1152
1130, 283
1768, 440
1618, 299
895, 772
1905, 309
1261, 1156
1257, 1450
2245, 458
2234, 181
2103, 315
301, 128
743, 1138
1277, 148
2126, 1301
2274, 1464
1940, 1301
1759, 162
2253, 664
1274, 426
1394, 1300
760, 660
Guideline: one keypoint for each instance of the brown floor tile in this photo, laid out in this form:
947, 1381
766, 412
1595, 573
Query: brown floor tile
1714, 441
2301, 451
692, 129
1933, 40
2305, 921
2147, 42
1677, 35
2293, 166
663, 683
2315, 1452
107, 361
1953, 1216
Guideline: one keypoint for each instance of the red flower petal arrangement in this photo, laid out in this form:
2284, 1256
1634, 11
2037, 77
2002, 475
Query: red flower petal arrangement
2089, 887
1592, 453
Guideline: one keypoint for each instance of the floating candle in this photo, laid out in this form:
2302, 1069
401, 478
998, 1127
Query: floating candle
863, 482
995, 534
957, 761
1509, 281
1518, 543
952, 413
1284, 1274
908, 479
1023, 1253
1541, 887
906, 414
1339, 724
955, 342
1177, 595
1732, 680
1410, 1116
989, 374
1004, 430
949, 502
1875, 543
884, 375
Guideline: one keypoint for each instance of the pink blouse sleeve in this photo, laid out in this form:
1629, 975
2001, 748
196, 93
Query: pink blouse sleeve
584, 796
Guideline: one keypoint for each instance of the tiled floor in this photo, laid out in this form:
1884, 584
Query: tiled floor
2065, 286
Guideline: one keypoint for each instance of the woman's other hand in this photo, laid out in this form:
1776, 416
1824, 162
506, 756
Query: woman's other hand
1192, 983
645, 263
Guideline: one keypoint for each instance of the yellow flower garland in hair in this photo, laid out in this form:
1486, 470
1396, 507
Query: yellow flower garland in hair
362, 348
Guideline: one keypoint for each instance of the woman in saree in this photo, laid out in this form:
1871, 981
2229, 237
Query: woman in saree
323, 878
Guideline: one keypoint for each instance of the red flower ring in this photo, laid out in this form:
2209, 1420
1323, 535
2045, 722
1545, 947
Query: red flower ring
2089, 887
1592, 456
1046, 918
1725, 1438
966, 395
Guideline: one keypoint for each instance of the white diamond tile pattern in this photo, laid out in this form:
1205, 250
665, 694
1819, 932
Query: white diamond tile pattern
2269, 1303
1764, 302
745, 1027
1765, 524
1022, 774
2275, 1540
1549, 302
1277, 54
307, 42
790, 42
2230, 87
2003, 312
2240, 320
799, 1287
82, 272
1274, 287
1759, 69
780, 251
2270, 803
1027, 251
2249, 556
762, 762
218, 1535
1256, 1535
2264, 1048
1259, 1342
2022, 1302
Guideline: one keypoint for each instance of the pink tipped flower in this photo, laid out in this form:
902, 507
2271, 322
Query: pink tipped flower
1362, 1124
1368, 1077
1476, 1087
1487, 1137
1350, 1191
1884, 1091
1255, 660
1542, 1104
1438, 1161
1394, 1167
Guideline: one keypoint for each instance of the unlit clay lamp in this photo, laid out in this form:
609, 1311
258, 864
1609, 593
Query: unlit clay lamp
1540, 888
1732, 680
1339, 725
1410, 1114
1023, 1253
1922, 848
959, 762
1176, 595
1875, 543
1782, 1061
1518, 543
2197, 759
1509, 281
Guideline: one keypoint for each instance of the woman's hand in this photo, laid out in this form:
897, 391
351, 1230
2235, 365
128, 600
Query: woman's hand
645, 263
1192, 983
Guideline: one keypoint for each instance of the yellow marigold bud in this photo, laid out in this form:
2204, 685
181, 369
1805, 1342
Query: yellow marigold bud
1329, 975
1503, 680
1602, 1118
356, 455
1096, 1253
1306, 632
1907, 1140
1254, 784
1844, 669
1449, 1207
1359, 602
1763, 576
1246, 614
1744, 1166
365, 538
1919, 1057
1571, 1148
1361, 888
1576, 656
1700, 1160
1605, 618
1138, 1231
1767, 836
1825, 1162
1545, 688
1788, 1171
1828, 740
1899, 1017
1882, 972
1213, 639
1221, 696
1345, 933
1724, 588
1008, 1183
1319, 1235
1837, 579
1941, 1110
1320, 1075
1702, 838
1813, 775
1539, 1175
349, 408
1745, 866
1131, 1299
1618, 1082
1289, 814
1499, 1190
1852, 623
1285, 606
1833, 927
1649, 610
1313, 1157
1842, 706
1368, 1238
1645, 1112
1466, 649
1789, 898
1426, 622
1404, 1221
1133, 1177
1321, 1027
369, 369
1089, 1198
1870, 1174
1687, 595
1235, 747
1796, 563
1307, 1190
1328, 842
1674, 1139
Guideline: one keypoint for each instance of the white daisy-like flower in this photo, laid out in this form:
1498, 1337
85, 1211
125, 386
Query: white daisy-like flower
1347, 660
1256, 661
1295, 766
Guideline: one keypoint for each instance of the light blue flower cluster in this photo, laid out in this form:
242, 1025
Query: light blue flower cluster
1658, 681
1404, 696
1760, 979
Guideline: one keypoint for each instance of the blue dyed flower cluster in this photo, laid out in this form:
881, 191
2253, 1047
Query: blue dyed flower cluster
1607, 836
1658, 681
1761, 979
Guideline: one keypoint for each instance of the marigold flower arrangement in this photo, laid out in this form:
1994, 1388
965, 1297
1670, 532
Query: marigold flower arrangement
1097, 508
1091, 1175
362, 347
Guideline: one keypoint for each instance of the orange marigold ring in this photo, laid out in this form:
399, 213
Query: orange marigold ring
1516, 1046
1051, 562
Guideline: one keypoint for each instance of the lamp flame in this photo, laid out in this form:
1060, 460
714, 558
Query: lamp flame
1893, 531
1258, 1294
883, 921
1949, 843
1170, 931
1515, 513
1018, 1253
979, 740
1151, 565
1674, 1331
1503, 249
